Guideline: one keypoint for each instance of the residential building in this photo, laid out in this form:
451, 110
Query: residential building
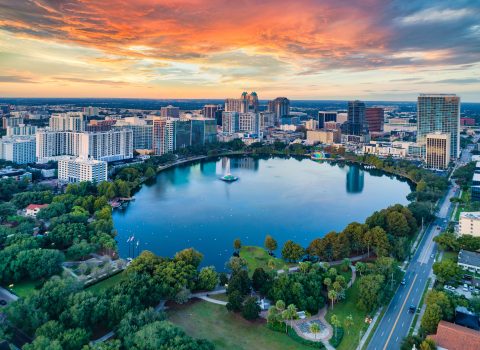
323, 136
342, 117
170, 112
467, 122
163, 135
466, 318
356, 123
451, 336
100, 125
21, 130
385, 149
324, 117
439, 113
230, 122
209, 111
438, 150
469, 223
142, 132
70, 121
252, 101
91, 111
17, 174
18, 149
12, 121
267, 120
469, 261
73, 169
238, 105
280, 107
249, 122
33, 209
332, 126
311, 124
374, 117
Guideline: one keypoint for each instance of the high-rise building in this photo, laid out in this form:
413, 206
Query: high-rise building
439, 113
252, 104
142, 132
204, 130
209, 111
356, 123
100, 125
183, 134
108, 146
280, 107
70, 121
249, 122
218, 116
163, 135
91, 111
324, 117
18, 149
374, 117
342, 117
12, 121
311, 124
230, 122
72, 169
267, 120
170, 112
238, 105
438, 150
21, 130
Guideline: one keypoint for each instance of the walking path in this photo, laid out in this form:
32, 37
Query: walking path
205, 296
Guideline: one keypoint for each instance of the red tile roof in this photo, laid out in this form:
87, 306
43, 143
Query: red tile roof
36, 206
454, 337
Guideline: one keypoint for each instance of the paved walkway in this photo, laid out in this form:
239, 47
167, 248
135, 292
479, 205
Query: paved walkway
324, 336
205, 296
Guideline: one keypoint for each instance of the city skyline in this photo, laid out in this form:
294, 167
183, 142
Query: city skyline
368, 50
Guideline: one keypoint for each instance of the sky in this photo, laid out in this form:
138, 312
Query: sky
302, 49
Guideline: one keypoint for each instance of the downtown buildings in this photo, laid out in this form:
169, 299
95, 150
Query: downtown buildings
78, 169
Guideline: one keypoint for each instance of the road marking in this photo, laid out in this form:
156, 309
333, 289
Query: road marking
403, 323
399, 314
382, 333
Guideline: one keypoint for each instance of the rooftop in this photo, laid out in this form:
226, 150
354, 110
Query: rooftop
469, 258
470, 215
454, 337
36, 206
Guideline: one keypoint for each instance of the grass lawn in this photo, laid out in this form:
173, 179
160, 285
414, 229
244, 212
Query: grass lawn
345, 308
258, 257
226, 330
23, 289
106, 283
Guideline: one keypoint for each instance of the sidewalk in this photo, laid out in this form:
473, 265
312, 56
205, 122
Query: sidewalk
369, 329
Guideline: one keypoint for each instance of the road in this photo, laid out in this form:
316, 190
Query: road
396, 322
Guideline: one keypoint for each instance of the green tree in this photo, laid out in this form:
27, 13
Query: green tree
446, 270
270, 244
348, 323
292, 251
237, 244
428, 344
431, 318
314, 328
397, 224
332, 295
236, 264
335, 321
235, 300
250, 308
149, 173
447, 241
207, 278
371, 292
190, 256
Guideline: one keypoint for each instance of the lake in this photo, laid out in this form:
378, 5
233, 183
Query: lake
288, 198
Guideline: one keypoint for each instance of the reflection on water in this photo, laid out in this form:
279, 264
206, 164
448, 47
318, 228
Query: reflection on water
355, 179
247, 163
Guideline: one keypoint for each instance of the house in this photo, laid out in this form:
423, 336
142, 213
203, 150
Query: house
466, 318
33, 209
469, 260
451, 336
264, 304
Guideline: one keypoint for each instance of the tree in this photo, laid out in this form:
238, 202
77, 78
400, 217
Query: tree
332, 295
190, 256
207, 278
250, 308
431, 318
327, 281
149, 173
335, 321
261, 281
446, 270
314, 329
371, 292
239, 282
428, 344
348, 322
223, 278
292, 251
6, 209
42, 343
235, 300
270, 244
236, 264
447, 241
237, 244
397, 224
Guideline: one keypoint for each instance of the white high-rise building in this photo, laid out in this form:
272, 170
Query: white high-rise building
72, 169
142, 132
105, 145
70, 121
21, 130
20, 150
164, 132
91, 111
230, 122
249, 122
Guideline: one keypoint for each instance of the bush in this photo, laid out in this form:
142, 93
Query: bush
335, 341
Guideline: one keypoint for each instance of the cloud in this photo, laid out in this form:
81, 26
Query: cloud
15, 79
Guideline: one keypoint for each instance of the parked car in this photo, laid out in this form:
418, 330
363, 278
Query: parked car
465, 287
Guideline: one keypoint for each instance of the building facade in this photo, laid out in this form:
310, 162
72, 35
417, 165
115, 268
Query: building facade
209, 111
280, 107
20, 150
170, 112
438, 150
323, 136
249, 122
324, 117
439, 113
163, 135
70, 121
356, 123
72, 169
374, 117
230, 122
469, 223
21, 130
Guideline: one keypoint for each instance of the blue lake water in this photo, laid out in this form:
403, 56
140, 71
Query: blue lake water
188, 206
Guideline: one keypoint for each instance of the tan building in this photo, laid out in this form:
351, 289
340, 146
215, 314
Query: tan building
438, 150
469, 223
311, 124
323, 136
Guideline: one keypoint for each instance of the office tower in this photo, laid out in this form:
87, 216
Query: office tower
218, 116
230, 122
108, 145
249, 122
438, 150
91, 111
204, 130
21, 130
324, 117
252, 101
183, 134
236, 105
439, 113
70, 121
72, 169
170, 112
209, 111
374, 117
163, 135
280, 107
142, 132
356, 124
18, 149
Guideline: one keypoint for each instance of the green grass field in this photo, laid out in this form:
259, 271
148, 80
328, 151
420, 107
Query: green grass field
345, 308
106, 283
226, 330
258, 257
23, 289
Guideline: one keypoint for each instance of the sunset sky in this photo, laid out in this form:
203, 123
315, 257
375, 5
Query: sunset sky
303, 49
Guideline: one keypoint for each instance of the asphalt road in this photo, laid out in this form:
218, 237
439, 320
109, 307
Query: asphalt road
396, 322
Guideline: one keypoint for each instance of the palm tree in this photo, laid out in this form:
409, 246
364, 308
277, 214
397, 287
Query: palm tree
335, 323
348, 322
332, 295
314, 329
237, 244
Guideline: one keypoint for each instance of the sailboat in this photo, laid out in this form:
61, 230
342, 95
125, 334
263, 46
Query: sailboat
228, 177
